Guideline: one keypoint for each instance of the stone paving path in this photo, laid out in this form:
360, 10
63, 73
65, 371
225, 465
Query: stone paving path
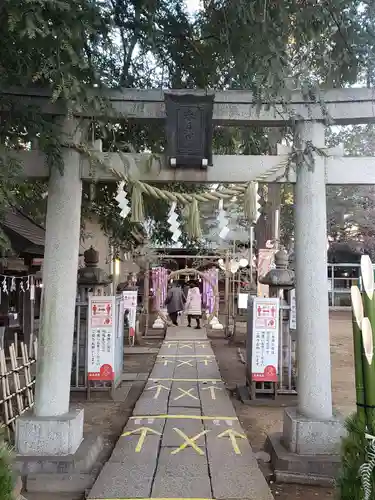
184, 440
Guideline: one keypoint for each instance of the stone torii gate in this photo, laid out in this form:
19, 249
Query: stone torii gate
311, 430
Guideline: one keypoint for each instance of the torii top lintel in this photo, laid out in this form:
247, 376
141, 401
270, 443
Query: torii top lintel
235, 107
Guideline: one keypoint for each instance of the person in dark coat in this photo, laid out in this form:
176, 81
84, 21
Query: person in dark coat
175, 302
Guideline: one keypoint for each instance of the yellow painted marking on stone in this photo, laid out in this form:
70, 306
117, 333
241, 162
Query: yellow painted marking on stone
185, 356
186, 362
185, 393
233, 436
185, 345
158, 388
142, 437
182, 417
191, 341
205, 361
213, 380
164, 361
212, 389
189, 442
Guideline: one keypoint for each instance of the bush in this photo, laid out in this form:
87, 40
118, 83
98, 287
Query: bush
7, 480
356, 480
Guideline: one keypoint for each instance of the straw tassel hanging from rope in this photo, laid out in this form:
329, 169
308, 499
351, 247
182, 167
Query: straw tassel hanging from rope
193, 223
250, 202
137, 213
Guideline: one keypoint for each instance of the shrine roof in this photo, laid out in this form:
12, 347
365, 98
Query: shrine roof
25, 234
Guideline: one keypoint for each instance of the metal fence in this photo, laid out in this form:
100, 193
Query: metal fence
287, 354
340, 278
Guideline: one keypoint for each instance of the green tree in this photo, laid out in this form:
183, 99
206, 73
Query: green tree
351, 209
47, 44
73, 47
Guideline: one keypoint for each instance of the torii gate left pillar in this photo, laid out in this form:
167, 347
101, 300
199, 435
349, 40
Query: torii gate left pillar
53, 428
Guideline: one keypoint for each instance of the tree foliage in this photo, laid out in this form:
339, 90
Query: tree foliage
351, 209
7, 480
73, 47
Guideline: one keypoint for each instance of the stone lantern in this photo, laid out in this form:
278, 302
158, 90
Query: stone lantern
91, 279
281, 279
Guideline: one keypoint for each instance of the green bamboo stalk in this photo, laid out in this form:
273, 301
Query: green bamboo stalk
369, 312
368, 373
357, 317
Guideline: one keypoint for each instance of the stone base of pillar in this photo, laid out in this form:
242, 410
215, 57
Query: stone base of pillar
67, 464
307, 451
49, 436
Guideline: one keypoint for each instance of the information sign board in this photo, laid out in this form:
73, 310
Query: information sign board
265, 345
101, 338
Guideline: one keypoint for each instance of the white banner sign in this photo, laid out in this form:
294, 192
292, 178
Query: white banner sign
101, 338
265, 349
130, 298
293, 310
242, 300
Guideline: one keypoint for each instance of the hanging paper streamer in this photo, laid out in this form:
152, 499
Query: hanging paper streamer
4, 285
252, 206
122, 200
12, 283
211, 282
212, 276
159, 278
174, 225
223, 221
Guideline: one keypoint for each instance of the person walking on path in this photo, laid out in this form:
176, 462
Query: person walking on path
193, 306
175, 302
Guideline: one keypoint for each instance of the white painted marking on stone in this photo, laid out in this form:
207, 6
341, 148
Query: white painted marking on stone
164, 361
186, 362
185, 393
205, 361
189, 346
158, 388
212, 390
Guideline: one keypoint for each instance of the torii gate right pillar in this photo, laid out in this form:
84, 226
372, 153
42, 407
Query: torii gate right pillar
310, 223
309, 445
